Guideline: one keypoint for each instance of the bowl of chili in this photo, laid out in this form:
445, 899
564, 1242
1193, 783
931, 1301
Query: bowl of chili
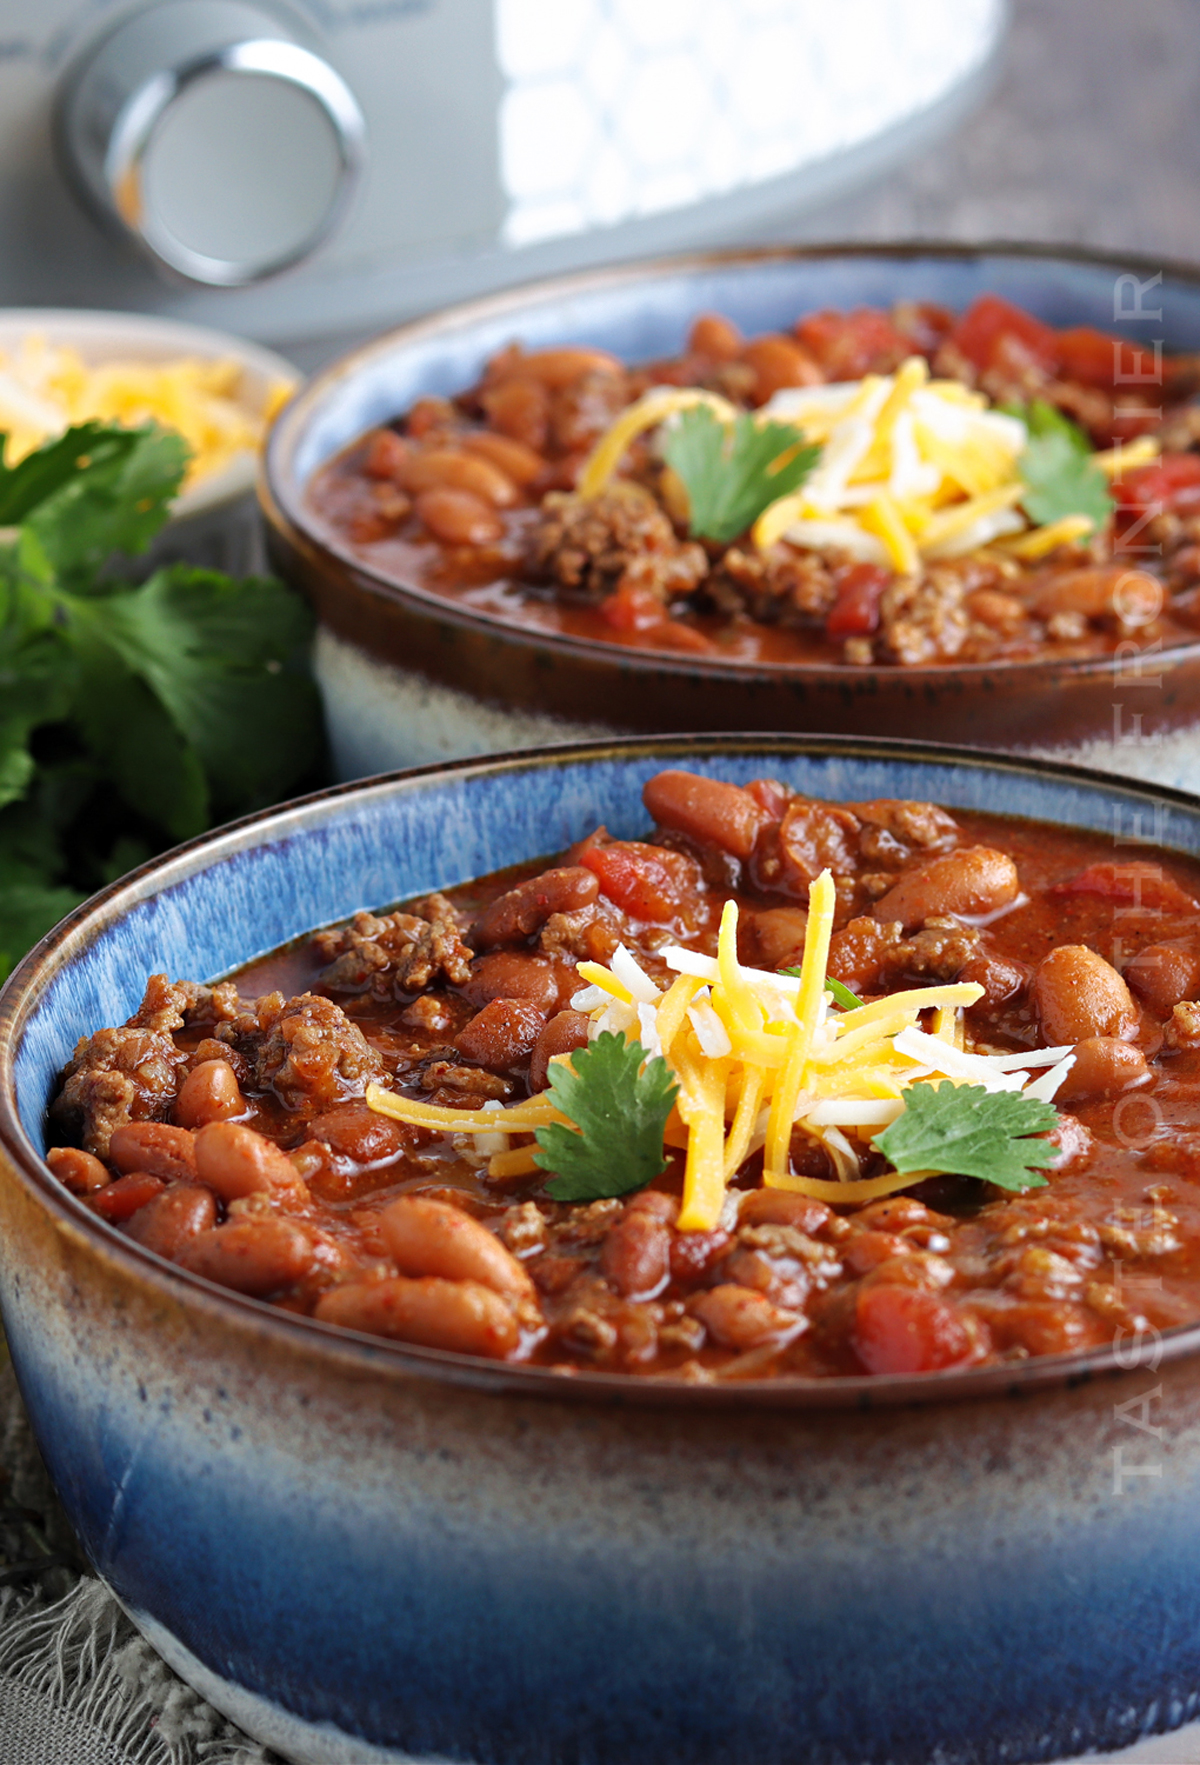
517, 526
350, 1415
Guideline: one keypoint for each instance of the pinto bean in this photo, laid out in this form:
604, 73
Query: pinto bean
210, 1093
235, 1161
163, 1151
513, 974
255, 1256
1077, 995
972, 882
905, 1330
779, 933
636, 1254
518, 462
119, 1201
457, 1315
741, 1318
716, 337
81, 1172
432, 1238
1164, 974
705, 810
781, 1207
1103, 591
452, 469
566, 1031
556, 368
777, 362
1104, 1067
502, 1034
179, 1213
524, 910
458, 517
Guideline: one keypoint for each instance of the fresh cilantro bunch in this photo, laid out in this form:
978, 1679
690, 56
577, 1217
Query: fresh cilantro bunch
966, 1131
130, 717
1060, 476
733, 472
619, 1101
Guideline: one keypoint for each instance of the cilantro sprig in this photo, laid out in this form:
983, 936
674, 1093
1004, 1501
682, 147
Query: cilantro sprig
732, 472
619, 1101
966, 1131
131, 717
1057, 467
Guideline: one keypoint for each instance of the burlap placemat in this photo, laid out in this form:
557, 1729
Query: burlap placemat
78, 1684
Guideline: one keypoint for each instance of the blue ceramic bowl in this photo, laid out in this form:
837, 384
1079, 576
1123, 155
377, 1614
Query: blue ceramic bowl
367, 1553
411, 677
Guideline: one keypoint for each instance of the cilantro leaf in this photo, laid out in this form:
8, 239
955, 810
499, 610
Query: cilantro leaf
620, 1111
48, 468
731, 473
116, 504
965, 1131
1058, 470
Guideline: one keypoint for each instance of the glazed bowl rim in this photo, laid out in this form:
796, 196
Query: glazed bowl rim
357, 1351
283, 499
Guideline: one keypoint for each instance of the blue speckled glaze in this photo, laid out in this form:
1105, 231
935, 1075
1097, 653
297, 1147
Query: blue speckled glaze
368, 1553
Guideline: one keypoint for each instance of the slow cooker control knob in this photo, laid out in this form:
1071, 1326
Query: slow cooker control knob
213, 136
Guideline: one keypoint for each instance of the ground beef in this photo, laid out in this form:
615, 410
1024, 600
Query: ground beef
912, 826
922, 618
305, 1050
398, 953
777, 587
594, 545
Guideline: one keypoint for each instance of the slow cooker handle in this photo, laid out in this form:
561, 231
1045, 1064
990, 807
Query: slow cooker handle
214, 136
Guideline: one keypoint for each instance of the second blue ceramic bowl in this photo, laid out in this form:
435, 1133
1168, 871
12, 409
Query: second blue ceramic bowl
369, 1554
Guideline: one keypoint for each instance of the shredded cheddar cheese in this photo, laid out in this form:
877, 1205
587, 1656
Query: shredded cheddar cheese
778, 1060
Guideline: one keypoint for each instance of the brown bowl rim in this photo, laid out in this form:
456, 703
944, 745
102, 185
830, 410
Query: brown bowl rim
357, 1351
283, 501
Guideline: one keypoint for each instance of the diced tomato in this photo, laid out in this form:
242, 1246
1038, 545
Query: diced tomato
855, 612
848, 345
641, 880
923, 323
989, 324
1096, 358
632, 608
1147, 885
903, 1330
386, 455
1171, 483
770, 795
120, 1200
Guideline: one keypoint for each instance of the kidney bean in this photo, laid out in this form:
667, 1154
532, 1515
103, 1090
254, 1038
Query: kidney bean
705, 810
428, 1237
502, 1034
519, 409
1103, 591
781, 1207
180, 1212
969, 883
1164, 974
779, 361
255, 1256
866, 1250
907, 1330
716, 337
518, 462
79, 1171
693, 1254
458, 1315
525, 909
566, 1031
636, 1254
512, 974
558, 367
779, 933
741, 1318
210, 1093
452, 469
121, 1200
164, 1151
1077, 995
458, 517
1104, 1067
235, 1161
